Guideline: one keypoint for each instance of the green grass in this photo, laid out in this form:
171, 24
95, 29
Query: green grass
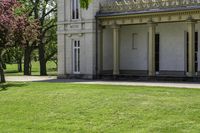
69, 108
13, 71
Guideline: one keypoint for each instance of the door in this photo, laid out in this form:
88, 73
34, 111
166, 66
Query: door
157, 53
76, 56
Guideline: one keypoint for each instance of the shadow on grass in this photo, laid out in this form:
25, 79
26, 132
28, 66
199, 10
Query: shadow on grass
11, 71
15, 71
52, 69
6, 86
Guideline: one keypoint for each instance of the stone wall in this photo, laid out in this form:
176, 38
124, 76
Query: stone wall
83, 29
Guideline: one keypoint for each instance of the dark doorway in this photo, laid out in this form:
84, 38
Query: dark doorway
157, 52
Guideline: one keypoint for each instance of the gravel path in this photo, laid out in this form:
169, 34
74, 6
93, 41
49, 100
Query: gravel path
129, 83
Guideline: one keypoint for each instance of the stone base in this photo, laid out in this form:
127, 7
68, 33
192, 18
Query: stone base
130, 77
148, 78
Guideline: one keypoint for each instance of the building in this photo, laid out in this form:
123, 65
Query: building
150, 38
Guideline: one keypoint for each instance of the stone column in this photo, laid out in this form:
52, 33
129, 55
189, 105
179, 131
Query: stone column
100, 49
151, 49
191, 48
116, 49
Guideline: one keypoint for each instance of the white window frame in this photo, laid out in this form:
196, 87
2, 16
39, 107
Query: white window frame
76, 56
75, 9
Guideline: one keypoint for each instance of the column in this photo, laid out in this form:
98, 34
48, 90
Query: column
151, 49
100, 49
191, 48
116, 60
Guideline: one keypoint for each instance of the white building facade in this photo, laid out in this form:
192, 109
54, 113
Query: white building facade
129, 38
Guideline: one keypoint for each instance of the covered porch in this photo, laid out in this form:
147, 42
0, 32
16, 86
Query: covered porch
149, 42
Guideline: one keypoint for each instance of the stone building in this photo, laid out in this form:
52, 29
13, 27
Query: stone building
149, 38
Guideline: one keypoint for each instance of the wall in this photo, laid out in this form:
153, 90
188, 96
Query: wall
107, 49
133, 59
83, 29
172, 47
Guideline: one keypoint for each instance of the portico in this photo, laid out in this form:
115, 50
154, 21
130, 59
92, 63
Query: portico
152, 20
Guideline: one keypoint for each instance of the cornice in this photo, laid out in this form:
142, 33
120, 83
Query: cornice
159, 17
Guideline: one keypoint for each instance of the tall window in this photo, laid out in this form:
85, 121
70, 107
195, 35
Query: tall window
75, 9
196, 51
76, 57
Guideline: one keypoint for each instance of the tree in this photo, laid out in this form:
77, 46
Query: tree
45, 12
51, 46
85, 3
14, 30
14, 55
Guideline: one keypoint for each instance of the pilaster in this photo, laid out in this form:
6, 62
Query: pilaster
151, 49
116, 49
100, 48
191, 47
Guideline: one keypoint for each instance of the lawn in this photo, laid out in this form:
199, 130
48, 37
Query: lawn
69, 108
12, 69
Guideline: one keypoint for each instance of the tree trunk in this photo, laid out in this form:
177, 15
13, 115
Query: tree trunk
20, 65
27, 60
2, 80
43, 69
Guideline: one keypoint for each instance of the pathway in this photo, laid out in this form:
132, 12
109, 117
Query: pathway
102, 82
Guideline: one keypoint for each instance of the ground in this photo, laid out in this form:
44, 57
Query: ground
68, 107
12, 69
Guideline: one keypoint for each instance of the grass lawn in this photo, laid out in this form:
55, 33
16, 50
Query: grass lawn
69, 108
12, 69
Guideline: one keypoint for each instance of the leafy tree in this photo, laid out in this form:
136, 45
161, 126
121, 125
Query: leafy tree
14, 55
51, 46
14, 30
45, 12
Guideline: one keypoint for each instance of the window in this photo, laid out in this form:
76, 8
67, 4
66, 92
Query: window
76, 57
75, 9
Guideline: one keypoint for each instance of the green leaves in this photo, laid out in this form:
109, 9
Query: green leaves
85, 3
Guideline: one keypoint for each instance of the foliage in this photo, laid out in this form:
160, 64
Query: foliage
13, 54
45, 11
11, 69
51, 45
85, 3
15, 29
27, 30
